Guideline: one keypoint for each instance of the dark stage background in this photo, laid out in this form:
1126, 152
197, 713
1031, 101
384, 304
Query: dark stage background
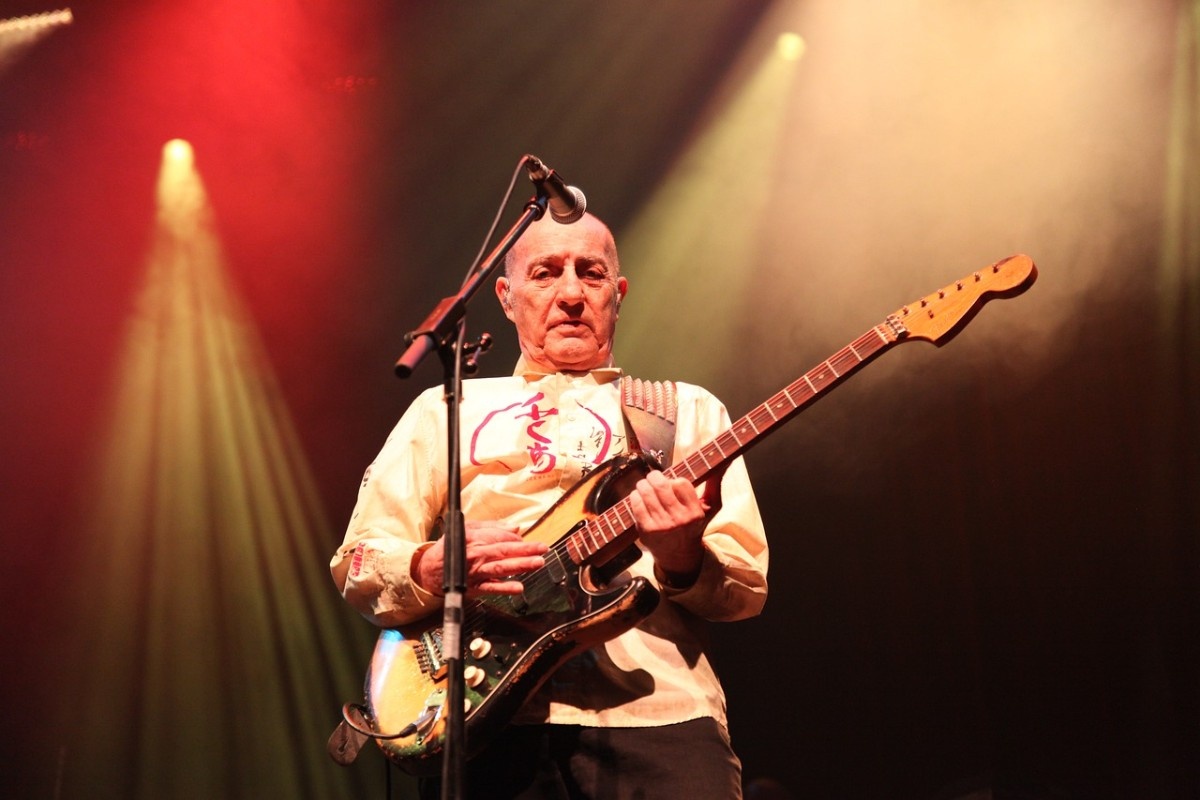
984, 557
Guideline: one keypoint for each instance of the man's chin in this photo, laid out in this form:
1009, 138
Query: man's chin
577, 356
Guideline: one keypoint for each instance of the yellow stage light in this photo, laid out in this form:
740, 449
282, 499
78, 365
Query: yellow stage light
178, 151
18, 34
790, 46
35, 22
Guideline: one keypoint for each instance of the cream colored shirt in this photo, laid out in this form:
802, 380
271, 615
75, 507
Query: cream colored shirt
526, 439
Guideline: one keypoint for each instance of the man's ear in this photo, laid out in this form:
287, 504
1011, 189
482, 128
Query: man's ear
504, 295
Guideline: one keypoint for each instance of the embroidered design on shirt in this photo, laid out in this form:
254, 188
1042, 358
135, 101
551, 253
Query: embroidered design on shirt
364, 560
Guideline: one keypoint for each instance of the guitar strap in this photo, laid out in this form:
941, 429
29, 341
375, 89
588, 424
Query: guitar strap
649, 408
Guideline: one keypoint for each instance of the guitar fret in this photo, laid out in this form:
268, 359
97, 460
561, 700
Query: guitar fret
571, 544
623, 511
778, 402
836, 374
848, 360
587, 534
681, 469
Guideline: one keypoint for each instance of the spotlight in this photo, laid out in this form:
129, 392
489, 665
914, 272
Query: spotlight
790, 46
18, 34
34, 22
178, 151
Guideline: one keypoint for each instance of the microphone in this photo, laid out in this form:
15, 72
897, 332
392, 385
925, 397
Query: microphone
566, 203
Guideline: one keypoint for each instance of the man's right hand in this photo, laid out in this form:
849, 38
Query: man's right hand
495, 553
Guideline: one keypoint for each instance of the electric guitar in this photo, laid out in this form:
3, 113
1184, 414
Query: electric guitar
514, 643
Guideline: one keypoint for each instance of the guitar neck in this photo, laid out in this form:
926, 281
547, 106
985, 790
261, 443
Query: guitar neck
617, 521
785, 404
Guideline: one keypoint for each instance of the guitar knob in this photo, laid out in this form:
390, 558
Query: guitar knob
473, 676
480, 647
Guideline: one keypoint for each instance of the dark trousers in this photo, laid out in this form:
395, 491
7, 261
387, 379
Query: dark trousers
690, 760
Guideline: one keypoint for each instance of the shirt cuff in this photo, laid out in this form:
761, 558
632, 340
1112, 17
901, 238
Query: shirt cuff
676, 586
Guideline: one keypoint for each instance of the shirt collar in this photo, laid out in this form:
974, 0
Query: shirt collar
531, 372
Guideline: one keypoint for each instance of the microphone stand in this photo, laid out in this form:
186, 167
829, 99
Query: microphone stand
444, 330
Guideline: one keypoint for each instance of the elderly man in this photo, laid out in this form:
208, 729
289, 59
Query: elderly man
643, 714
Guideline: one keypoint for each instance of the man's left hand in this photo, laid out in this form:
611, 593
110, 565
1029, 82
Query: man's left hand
671, 518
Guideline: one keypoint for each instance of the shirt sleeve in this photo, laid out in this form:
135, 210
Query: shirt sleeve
732, 583
399, 501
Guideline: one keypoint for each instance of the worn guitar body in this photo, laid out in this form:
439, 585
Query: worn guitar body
513, 643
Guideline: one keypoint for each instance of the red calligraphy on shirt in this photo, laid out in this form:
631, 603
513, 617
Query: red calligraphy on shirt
532, 416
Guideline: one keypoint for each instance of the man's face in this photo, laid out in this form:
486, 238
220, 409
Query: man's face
563, 293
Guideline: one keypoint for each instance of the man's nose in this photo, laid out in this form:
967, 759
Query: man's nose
570, 287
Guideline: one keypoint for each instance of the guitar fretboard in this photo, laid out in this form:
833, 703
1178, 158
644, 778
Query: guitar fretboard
617, 520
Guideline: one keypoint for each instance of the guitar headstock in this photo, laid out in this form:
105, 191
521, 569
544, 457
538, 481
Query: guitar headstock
937, 317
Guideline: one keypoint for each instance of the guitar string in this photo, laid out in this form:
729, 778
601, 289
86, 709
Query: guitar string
760, 419
870, 342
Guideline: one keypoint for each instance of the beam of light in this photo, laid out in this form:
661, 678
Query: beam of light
219, 652
1178, 346
694, 242
18, 34
1179, 273
33, 23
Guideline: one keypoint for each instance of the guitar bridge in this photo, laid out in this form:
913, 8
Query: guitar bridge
429, 653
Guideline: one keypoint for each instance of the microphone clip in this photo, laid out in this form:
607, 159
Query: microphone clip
567, 204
